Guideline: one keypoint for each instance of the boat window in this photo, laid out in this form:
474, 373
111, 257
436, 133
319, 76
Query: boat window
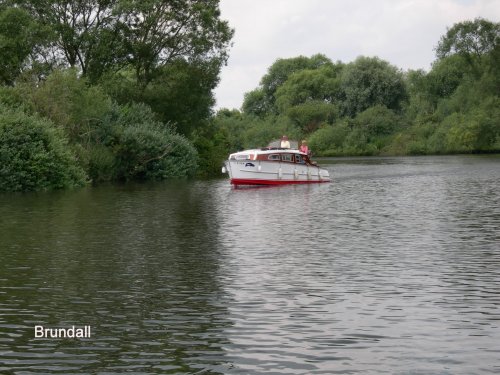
274, 157
298, 159
242, 157
286, 157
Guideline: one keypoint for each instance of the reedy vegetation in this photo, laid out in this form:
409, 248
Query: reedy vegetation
102, 90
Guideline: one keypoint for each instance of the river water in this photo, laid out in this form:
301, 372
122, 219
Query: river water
393, 268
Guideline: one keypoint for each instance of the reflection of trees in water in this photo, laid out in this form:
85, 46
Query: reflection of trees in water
138, 263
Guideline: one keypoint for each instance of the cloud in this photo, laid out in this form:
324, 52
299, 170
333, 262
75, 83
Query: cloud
403, 32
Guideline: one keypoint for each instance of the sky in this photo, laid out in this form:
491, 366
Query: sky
402, 32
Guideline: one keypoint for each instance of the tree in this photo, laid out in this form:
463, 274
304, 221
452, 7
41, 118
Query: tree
369, 81
281, 69
320, 84
445, 76
99, 35
328, 138
18, 35
309, 96
213, 143
425, 90
180, 93
159, 32
377, 121
71, 104
311, 114
471, 39
276, 76
84, 34
493, 68
420, 106
256, 103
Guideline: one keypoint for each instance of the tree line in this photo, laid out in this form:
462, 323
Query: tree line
106, 90
370, 107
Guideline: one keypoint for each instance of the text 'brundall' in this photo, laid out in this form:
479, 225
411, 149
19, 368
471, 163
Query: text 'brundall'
59, 333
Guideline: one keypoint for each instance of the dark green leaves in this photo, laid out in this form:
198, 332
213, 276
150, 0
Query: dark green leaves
34, 154
469, 38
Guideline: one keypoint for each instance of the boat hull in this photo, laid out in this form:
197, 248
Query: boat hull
242, 181
250, 172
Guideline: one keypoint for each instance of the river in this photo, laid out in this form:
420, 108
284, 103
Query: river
393, 268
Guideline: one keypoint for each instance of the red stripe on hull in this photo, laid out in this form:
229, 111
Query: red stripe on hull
244, 181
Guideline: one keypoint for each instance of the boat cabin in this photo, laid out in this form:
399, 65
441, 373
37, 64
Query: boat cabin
273, 155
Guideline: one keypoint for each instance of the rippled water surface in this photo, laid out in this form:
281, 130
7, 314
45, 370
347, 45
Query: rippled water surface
393, 268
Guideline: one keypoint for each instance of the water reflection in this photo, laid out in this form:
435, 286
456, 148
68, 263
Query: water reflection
392, 268
137, 263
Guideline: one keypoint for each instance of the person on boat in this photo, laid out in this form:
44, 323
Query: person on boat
285, 143
304, 148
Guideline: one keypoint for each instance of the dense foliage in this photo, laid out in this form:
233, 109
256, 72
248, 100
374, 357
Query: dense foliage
369, 107
105, 90
110, 141
34, 154
124, 82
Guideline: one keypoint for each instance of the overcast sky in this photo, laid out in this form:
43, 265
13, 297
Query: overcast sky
403, 32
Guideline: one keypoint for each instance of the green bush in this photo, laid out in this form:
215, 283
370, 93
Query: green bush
151, 152
328, 139
417, 147
213, 146
131, 144
487, 116
101, 163
398, 145
474, 131
461, 133
71, 103
356, 143
437, 141
34, 154
377, 120
413, 141
233, 124
12, 97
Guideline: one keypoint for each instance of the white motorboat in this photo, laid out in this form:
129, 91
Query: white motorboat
273, 166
